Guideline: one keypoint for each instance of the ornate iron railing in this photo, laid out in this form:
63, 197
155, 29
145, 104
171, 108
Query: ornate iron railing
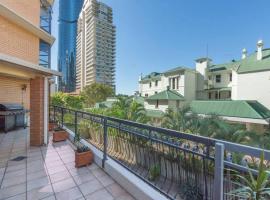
176, 164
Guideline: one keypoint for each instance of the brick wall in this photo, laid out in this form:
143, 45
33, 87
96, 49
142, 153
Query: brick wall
17, 42
11, 91
29, 9
36, 111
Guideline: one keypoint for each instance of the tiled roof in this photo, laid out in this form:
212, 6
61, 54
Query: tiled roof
249, 64
154, 113
166, 95
232, 108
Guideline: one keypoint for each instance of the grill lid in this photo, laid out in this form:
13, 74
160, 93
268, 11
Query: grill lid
10, 107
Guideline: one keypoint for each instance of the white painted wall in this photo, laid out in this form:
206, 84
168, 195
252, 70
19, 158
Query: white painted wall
162, 105
190, 86
225, 79
254, 86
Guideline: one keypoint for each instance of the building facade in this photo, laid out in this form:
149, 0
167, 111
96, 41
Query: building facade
69, 11
244, 79
237, 91
25, 73
95, 58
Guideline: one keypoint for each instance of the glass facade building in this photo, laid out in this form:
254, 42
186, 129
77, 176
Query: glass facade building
68, 14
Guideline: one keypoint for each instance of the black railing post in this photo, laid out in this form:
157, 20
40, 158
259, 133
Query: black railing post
75, 121
62, 116
105, 142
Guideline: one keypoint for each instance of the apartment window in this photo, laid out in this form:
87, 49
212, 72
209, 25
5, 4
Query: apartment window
218, 78
156, 83
45, 18
157, 104
155, 92
173, 83
146, 95
150, 84
230, 76
44, 54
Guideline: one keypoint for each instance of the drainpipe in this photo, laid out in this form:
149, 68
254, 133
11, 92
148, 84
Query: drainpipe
46, 110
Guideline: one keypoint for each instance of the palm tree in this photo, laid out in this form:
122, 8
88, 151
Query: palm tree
251, 187
214, 127
176, 119
126, 108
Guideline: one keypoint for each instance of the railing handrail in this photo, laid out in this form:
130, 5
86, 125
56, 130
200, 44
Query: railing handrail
228, 146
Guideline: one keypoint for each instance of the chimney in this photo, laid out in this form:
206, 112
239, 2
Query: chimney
244, 53
259, 49
140, 77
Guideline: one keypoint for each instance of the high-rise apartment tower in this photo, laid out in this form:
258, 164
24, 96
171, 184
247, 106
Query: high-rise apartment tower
95, 46
69, 11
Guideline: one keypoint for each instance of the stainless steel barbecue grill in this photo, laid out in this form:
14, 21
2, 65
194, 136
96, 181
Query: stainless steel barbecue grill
12, 116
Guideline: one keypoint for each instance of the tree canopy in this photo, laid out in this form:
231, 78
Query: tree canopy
96, 92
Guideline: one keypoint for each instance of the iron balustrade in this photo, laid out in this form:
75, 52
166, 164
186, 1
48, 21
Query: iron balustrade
174, 163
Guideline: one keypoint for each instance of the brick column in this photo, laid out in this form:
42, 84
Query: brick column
36, 111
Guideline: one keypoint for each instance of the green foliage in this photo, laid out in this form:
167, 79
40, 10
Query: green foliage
66, 100
69, 118
84, 128
57, 99
191, 191
154, 172
251, 187
96, 92
126, 108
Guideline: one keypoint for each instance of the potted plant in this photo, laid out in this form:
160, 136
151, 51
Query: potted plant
59, 134
52, 125
83, 155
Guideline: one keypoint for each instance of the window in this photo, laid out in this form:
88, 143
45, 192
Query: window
177, 83
173, 83
218, 78
216, 95
230, 94
44, 54
209, 95
157, 104
230, 76
146, 95
150, 84
155, 92
156, 83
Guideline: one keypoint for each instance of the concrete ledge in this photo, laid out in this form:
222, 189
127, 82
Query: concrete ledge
130, 182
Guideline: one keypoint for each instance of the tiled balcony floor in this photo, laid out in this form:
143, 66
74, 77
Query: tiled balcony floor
48, 173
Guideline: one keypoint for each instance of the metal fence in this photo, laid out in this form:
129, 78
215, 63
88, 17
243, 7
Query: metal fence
179, 165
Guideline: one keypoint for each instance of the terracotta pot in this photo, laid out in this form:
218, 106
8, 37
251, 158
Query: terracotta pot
59, 136
52, 126
83, 159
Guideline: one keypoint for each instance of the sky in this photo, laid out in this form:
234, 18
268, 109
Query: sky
157, 35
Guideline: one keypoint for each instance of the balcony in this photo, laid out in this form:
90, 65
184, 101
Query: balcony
49, 172
166, 161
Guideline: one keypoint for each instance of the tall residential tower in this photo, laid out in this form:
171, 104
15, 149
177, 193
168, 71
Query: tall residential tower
95, 59
69, 11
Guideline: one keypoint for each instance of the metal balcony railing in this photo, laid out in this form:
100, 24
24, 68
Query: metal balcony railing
172, 162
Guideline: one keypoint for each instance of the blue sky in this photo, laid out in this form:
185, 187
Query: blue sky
156, 35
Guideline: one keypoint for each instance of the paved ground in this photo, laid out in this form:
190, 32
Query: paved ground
48, 173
